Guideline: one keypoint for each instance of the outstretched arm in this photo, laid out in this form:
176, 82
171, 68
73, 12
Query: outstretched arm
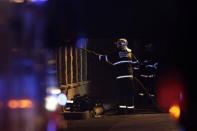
91, 52
101, 57
104, 58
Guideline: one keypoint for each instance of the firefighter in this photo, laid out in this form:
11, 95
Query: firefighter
122, 60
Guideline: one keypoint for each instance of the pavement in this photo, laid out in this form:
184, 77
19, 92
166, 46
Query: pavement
132, 122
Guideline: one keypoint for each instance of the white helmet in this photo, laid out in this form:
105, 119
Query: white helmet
121, 42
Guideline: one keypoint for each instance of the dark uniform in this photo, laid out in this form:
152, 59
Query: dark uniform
149, 69
121, 59
148, 75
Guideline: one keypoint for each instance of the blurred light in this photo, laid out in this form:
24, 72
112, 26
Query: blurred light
70, 101
22, 104
51, 126
81, 42
170, 91
53, 91
13, 104
17, 1
175, 111
51, 103
37, 1
62, 99
25, 104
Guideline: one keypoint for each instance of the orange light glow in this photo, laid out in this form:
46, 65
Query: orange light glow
22, 104
17, 1
13, 104
175, 111
25, 103
171, 91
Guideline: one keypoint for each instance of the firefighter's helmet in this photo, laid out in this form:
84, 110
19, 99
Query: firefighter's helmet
121, 42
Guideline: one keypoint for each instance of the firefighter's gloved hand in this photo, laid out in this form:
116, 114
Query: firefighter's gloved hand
100, 57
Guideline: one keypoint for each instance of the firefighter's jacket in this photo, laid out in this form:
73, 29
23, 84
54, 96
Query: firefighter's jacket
123, 62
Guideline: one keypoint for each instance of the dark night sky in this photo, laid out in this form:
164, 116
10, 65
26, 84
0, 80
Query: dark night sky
154, 19
164, 22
